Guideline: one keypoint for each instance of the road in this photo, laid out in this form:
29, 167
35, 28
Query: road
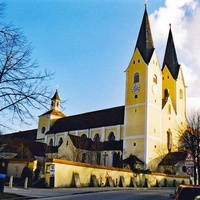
95, 193
119, 195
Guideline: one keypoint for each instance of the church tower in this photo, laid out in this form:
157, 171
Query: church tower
173, 94
143, 114
47, 119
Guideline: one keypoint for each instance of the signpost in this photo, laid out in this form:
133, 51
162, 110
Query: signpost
189, 163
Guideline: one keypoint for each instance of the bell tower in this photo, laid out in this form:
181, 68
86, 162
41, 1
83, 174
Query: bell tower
47, 119
55, 102
142, 123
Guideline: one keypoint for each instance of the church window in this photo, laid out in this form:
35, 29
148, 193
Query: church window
136, 78
155, 79
98, 158
83, 157
169, 109
52, 103
57, 104
60, 141
51, 142
134, 62
96, 138
155, 146
168, 77
43, 130
169, 140
111, 136
166, 93
138, 60
84, 136
134, 144
136, 96
181, 94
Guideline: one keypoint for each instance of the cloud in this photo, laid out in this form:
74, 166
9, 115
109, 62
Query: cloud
184, 17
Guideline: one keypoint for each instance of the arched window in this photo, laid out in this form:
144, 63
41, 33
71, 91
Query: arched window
155, 79
181, 94
83, 157
96, 138
169, 109
51, 142
136, 78
60, 141
84, 136
43, 130
111, 136
169, 140
166, 93
98, 158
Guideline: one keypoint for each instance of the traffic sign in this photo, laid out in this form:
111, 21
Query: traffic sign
189, 170
189, 160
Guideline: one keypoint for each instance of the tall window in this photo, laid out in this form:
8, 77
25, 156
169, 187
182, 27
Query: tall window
60, 141
136, 78
166, 93
169, 140
181, 94
83, 157
51, 142
169, 109
96, 138
155, 79
111, 136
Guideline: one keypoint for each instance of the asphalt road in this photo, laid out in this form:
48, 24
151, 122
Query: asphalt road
95, 193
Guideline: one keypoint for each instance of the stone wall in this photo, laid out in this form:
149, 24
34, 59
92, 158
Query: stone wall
75, 174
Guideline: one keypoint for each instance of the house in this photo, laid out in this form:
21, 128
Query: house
145, 126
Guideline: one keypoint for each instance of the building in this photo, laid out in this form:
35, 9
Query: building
145, 126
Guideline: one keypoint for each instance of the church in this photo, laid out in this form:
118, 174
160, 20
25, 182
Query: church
144, 128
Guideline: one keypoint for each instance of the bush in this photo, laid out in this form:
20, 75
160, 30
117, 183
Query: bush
27, 172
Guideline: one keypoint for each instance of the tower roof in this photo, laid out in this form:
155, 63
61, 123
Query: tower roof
56, 96
170, 58
145, 42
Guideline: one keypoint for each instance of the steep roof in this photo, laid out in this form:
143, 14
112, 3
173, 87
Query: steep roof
29, 134
88, 144
107, 117
18, 145
54, 112
56, 96
145, 42
173, 158
170, 58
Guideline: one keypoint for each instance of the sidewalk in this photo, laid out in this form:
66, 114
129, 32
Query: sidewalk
54, 192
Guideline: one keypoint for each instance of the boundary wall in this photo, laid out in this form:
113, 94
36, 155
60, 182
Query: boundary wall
63, 173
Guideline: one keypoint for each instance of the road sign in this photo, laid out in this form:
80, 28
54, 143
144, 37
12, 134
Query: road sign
189, 170
189, 160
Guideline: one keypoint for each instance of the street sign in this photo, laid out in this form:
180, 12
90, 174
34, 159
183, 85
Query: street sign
189, 170
189, 160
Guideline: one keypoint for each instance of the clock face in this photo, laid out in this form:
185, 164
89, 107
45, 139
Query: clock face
135, 88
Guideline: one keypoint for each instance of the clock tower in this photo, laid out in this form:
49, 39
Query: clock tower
143, 116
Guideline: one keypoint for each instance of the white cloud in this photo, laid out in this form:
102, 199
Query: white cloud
184, 16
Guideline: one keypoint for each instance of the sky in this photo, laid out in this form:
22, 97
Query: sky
89, 44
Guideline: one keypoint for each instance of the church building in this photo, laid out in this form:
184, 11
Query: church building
145, 126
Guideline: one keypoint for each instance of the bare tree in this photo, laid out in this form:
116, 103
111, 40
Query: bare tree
190, 141
22, 87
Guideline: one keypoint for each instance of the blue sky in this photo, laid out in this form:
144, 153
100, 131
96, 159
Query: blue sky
89, 43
